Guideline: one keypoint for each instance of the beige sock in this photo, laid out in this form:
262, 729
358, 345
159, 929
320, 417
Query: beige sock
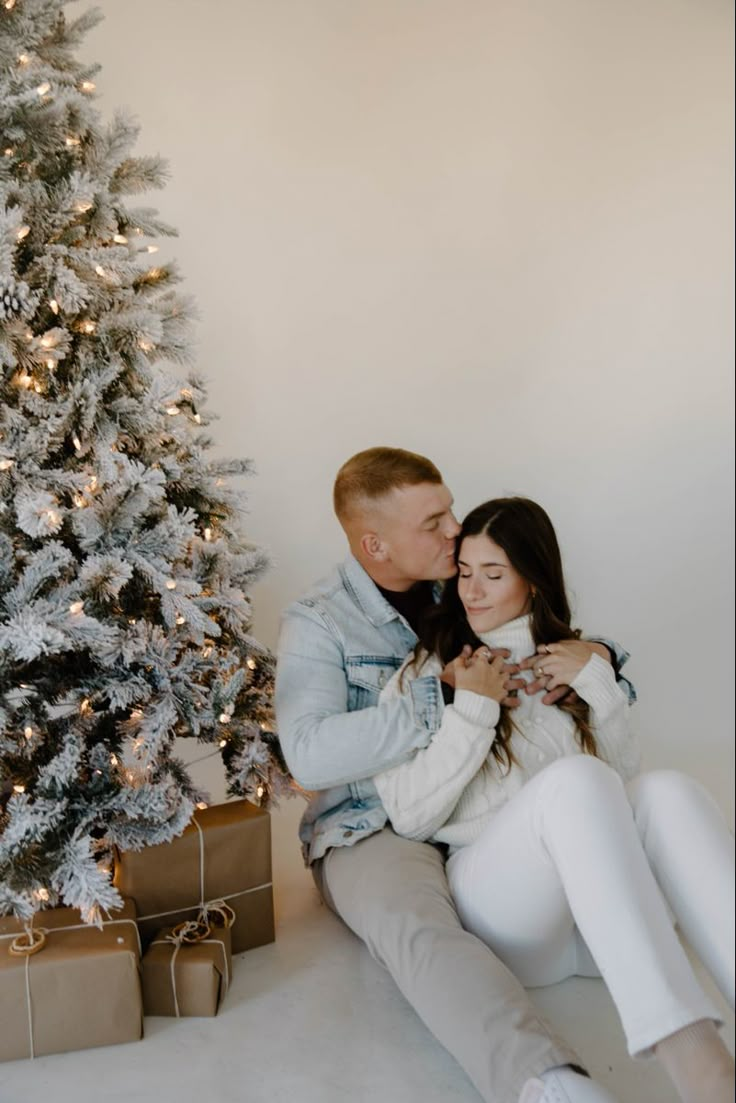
698, 1063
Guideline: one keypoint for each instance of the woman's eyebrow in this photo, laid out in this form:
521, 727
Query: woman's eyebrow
462, 563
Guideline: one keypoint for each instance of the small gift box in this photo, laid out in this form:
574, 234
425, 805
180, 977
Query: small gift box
224, 853
71, 986
185, 975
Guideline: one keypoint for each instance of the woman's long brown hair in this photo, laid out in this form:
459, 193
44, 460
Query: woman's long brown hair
524, 531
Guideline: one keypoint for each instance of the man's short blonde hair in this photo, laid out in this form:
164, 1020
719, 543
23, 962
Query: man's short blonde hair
372, 474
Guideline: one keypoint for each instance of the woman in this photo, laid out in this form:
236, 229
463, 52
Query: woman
554, 844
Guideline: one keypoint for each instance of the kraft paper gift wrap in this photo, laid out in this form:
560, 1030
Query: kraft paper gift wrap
81, 989
223, 854
186, 978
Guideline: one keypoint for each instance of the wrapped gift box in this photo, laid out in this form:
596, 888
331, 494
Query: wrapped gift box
224, 853
181, 978
81, 989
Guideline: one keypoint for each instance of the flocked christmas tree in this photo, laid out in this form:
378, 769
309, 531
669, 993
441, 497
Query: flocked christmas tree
124, 620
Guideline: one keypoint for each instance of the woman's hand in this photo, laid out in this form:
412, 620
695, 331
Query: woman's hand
556, 665
483, 672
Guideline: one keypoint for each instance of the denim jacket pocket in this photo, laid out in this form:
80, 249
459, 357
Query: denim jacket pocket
367, 675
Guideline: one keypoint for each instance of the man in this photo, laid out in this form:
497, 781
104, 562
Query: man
339, 646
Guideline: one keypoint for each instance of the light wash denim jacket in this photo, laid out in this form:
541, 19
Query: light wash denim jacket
338, 647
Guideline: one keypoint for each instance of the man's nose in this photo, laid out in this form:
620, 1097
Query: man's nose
453, 527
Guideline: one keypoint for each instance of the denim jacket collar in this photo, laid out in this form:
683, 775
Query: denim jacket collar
366, 594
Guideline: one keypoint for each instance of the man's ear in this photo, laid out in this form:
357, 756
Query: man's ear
373, 547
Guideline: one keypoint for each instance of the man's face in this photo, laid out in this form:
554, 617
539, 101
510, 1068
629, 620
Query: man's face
417, 529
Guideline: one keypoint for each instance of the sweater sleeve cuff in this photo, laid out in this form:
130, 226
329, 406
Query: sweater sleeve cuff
596, 684
477, 709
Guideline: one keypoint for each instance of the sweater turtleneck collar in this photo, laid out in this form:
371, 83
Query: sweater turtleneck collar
516, 635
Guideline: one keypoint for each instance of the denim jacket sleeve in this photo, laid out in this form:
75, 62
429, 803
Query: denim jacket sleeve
618, 657
324, 743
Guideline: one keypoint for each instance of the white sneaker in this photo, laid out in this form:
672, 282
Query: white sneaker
564, 1085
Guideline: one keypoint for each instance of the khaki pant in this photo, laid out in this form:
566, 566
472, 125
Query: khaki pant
392, 892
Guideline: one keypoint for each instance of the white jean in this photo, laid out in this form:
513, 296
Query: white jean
562, 882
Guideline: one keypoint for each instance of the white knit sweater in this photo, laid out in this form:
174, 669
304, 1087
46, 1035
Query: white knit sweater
448, 791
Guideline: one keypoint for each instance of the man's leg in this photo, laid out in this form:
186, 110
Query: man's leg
393, 894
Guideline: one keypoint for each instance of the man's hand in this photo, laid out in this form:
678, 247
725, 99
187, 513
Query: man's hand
486, 655
556, 665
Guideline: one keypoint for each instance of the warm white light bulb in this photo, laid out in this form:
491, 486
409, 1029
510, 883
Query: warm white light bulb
54, 306
223, 743
50, 364
23, 59
83, 206
100, 270
208, 533
260, 791
18, 788
198, 419
88, 86
28, 732
42, 88
21, 232
250, 663
5, 465
121, 239
89, 327
172, 411
170, 583
180, 619
224, 717
152, 248
71, 140
76, 608
201, 805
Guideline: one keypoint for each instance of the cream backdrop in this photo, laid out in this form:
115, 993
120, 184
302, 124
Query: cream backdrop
495, 231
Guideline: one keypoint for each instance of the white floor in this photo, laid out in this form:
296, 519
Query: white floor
312, 1018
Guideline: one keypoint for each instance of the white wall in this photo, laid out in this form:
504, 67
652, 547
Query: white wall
495, 231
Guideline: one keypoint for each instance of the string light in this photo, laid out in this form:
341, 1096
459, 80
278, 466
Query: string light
52, 516
21, 232
223, 743
100, 270
88, 326
83, 206
24, 380
260, 791
76, 608
41, 894
172, 411
28, 732
88, 86
77, 443
170, 583
208, 533
5, 465
185, 392
8, 151
136, 715
198, 419
145, 345
9, 5
79, 500
91, 485
72, 141
18, 788
152, 248
251, 664
180, 619
225, 718
54, 306
23, 59
201, 805
113, 760
85, 708
42, 88
50, 364
121, 239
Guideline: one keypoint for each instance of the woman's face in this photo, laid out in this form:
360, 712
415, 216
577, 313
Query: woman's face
491, 590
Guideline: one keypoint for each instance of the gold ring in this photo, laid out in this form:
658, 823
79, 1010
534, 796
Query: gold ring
539, 672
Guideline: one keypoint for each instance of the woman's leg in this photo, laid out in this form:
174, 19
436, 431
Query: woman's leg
564, 852
691, 853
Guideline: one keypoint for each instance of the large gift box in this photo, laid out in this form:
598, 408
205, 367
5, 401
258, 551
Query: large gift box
186, 978
80, 988
223, 854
